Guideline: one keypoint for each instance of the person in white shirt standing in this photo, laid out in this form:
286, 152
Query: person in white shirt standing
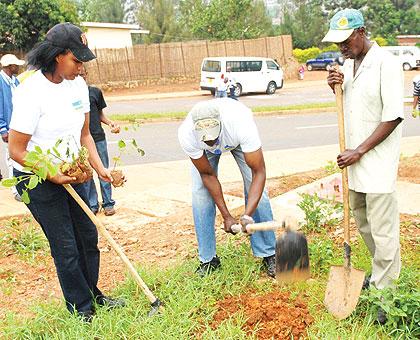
211, 128
53, 104
8, 83
373, 86
222, 86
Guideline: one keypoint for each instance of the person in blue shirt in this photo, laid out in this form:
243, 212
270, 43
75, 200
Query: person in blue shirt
8, 83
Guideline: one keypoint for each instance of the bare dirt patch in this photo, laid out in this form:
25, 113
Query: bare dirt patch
409, 169
275, 315
279, 185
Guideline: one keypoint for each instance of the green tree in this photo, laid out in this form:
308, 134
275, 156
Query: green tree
230, 19
160, 18
305, 21
102, 11
385, 18
25, 22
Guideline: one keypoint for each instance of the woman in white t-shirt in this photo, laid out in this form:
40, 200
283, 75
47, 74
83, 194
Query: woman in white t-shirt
53, 104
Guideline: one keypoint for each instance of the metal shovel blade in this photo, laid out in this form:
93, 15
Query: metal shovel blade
343, 290
292, 258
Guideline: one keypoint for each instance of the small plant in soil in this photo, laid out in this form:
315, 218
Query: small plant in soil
331, 168
23, 238
117, 175
319, 213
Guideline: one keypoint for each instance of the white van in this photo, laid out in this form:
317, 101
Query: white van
251, 74
409, 56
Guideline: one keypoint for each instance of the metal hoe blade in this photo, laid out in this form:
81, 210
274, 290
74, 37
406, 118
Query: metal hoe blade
292, 258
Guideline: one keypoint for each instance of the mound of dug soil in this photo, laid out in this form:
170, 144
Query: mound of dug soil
275, 314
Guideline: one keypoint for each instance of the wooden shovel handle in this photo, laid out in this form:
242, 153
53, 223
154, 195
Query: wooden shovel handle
339, 99
104, 232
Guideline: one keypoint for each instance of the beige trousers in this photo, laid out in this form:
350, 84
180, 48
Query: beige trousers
378, 221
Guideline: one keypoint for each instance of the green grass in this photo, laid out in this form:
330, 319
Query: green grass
23, 238
131, 117
190, 301
293, 107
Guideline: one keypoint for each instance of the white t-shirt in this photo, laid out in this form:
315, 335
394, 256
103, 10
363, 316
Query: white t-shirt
238, 128
49, 112
222, 86
373, 95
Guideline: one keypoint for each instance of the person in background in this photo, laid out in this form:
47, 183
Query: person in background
221, 91
301, 72
8, 83
416, 94
97, 116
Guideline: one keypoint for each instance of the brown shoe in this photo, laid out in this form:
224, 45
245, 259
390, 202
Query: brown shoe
109, 211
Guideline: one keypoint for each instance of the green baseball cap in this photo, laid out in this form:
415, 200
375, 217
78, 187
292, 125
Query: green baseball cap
342, 25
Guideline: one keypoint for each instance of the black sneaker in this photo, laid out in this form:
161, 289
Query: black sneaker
108, 302
86, 316
269, 264
381, 316
366, 282
208, 267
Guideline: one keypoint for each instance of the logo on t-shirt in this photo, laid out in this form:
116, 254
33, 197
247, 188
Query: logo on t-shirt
229, 147
77, 105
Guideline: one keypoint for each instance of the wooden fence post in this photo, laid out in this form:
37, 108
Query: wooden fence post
266, 47
97, 66
282, 48
128, 64
183, 60
160, 62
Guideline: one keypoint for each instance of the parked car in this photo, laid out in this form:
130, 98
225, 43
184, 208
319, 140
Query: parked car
409, 56
324, 61
251, 74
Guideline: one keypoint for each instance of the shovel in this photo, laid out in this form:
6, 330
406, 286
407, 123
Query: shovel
344, 283
156, 304
292, 258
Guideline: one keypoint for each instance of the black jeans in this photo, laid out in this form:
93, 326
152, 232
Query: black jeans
73, 240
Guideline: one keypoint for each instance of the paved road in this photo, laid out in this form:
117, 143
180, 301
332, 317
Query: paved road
317, 92
291, 96
159, 140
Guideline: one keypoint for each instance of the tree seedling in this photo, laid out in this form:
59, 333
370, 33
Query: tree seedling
117, 175
40, 165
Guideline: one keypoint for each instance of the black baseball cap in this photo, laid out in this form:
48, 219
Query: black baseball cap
70, 37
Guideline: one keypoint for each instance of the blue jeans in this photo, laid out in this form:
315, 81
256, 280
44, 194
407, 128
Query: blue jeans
263, 243
221, 94
73, 240
106, 190
232, 93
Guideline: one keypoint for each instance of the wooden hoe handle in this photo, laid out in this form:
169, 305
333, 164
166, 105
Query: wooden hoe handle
104, 232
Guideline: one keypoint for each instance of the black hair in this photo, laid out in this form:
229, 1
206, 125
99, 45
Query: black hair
42, 56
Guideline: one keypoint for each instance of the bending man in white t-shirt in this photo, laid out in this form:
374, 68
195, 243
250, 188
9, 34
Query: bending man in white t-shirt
211, 128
